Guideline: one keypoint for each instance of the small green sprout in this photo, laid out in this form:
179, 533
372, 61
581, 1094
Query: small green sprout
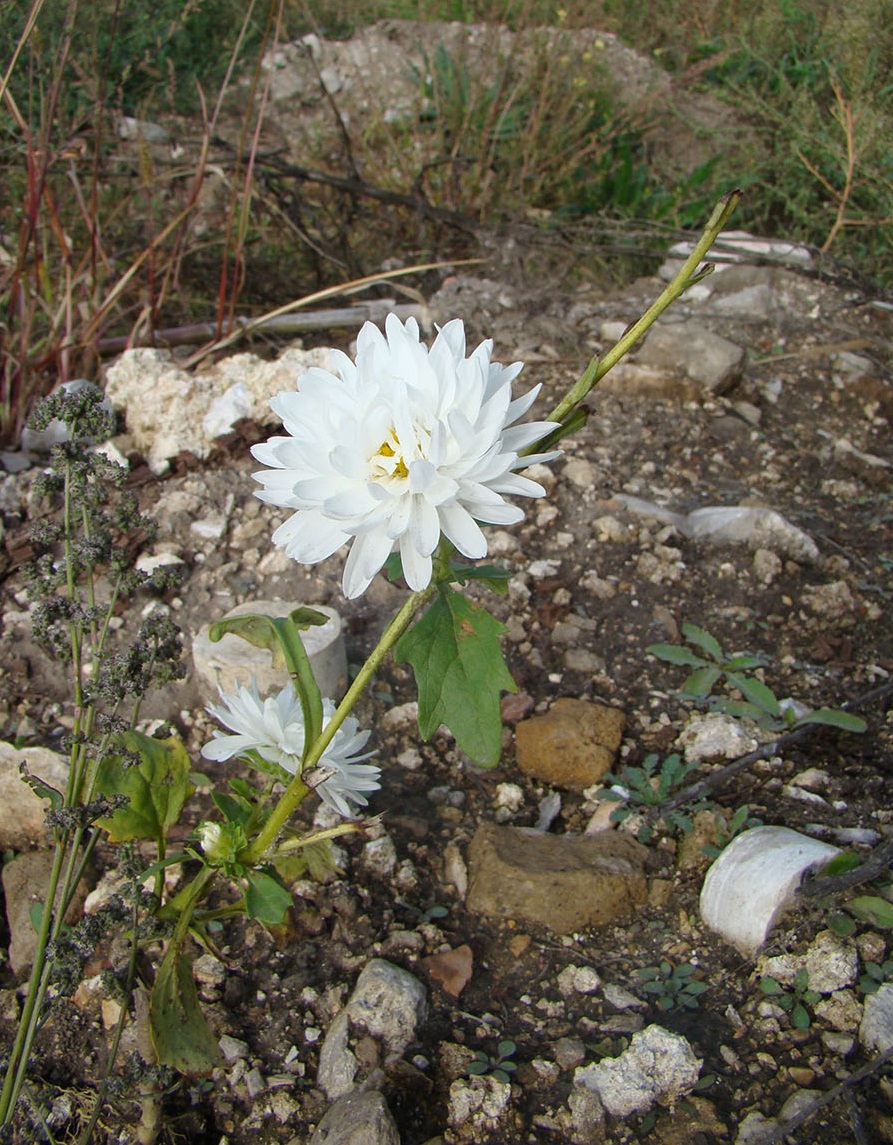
499, 1066
793, 1001
875, 975
672, 987
742, 820
758, 702
651, 785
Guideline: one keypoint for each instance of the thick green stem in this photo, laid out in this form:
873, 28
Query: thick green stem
297, 790
598, 367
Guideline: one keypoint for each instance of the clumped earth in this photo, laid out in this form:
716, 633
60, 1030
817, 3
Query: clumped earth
593, 585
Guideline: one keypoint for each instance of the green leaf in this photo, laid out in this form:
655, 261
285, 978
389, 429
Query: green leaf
873, 909
281, 635
157, 787
841, 864
703, 640
506, 1049
744, 663
833, 718
755, 692
460, 672
700, 683
800, 1017
478, 1068
676, 654
266, 899
180, 1034
233, 810
801, 979
841, 924
41, 789
493, 577
770, 986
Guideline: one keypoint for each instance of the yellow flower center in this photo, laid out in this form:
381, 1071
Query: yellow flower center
389, 468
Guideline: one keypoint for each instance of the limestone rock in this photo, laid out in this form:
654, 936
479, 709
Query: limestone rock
656, 1066
25, 882
687, 348
572, 745
563, 882
714, 736
357, 1119
169, 410
876, 1028
21, 825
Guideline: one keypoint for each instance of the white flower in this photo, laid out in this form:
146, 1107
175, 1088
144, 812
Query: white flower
403, 445
274, 728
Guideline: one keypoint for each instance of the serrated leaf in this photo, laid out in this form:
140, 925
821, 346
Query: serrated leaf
703, 640
833, 718
157, 787
873, 909
180, 1034
266, 899
756, 693
460, 672
676, 654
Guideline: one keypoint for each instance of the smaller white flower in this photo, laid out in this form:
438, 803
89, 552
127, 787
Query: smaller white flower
274, 728
220, 842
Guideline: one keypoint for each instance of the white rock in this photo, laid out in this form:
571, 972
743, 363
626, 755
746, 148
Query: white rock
169, 410
21, 824
686, 347
753, 882
380, 856
876, 1028
754, 1128
233, 660
578, 980
714, 736
656, 1066
477, 1104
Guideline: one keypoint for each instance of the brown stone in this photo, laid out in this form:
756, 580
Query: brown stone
572, 745
562, 882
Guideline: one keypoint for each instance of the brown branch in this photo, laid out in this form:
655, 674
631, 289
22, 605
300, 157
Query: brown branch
876, 864
787, 1127
765, 751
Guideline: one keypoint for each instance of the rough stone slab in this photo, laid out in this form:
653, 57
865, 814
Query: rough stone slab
357, 1119
572, 745
21, 824
562, 882
25, 882
170, 410
876, 1027
656, 1066
687, 348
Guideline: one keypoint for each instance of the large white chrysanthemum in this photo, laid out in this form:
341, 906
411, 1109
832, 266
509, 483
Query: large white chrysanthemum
274, 728
403, 445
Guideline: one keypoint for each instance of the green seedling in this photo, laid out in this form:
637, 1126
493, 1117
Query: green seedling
672, 987
499, 1065
726, 831
649, 786
795, 1000
711, 666
875, 975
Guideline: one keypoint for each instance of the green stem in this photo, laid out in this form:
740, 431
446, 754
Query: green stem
598, 367
297, 790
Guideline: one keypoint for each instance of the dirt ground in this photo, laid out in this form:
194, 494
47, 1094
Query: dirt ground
593, 586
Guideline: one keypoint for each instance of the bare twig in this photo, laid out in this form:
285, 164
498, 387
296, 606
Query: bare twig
787, 1127
765, 751
877, 864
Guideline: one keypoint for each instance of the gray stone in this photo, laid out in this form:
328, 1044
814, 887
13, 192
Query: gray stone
232, 660
389, 1003
22, 821
686, 347
754, 1128
657, 1066
357, 1119
25, 883
876, 1027
562, 882
337, 1064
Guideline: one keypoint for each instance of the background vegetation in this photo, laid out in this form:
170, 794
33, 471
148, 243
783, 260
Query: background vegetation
98, 239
